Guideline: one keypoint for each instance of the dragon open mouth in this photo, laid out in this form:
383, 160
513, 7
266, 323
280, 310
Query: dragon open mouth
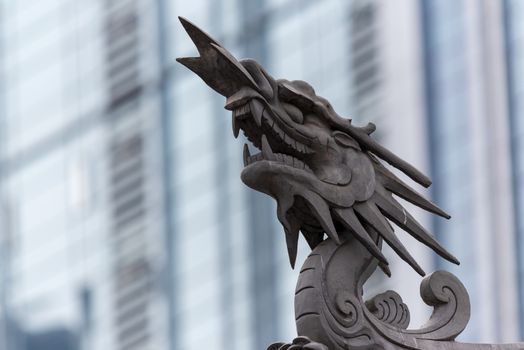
265, 132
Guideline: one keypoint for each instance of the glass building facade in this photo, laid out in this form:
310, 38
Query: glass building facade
123, 220
53, 211
470, 134
82, 230
514, 30
450, 137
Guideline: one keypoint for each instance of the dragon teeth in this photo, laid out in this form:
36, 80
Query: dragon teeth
277, 157
278, 131
236, 127
257, 109
246, 154
267, 152
289, 141
242, 111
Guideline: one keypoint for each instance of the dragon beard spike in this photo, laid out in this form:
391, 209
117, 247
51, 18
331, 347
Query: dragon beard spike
320, 209
394, 211
291, 226
395, 185
349, 220
372, 216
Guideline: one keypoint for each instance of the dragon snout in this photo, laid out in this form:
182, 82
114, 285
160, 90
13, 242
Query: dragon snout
222, 71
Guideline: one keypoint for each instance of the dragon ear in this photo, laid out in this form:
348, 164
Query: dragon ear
345, 140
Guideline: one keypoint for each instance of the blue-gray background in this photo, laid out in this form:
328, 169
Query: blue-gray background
123, 221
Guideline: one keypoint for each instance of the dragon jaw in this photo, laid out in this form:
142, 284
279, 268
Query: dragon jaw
303, 165
323, 172
297, 175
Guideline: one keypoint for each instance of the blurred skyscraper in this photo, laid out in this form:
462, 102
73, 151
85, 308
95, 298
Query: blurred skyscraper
473, 154
83, 238
514, 50
123, 221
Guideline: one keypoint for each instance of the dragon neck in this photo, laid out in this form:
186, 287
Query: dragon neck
328, 299
349, 266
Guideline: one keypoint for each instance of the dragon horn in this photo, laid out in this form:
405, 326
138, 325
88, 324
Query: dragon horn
216, 66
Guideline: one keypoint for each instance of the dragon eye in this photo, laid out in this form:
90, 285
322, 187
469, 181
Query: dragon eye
294, 112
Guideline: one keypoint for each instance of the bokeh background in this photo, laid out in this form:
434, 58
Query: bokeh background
123, 221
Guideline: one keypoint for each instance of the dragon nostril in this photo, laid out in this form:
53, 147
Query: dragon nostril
294, 112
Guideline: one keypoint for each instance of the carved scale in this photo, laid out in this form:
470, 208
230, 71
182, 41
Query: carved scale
328, 178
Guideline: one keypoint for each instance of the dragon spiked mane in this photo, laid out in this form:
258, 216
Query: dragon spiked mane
326, 174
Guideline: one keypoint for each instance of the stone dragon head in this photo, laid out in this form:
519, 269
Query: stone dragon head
326, 174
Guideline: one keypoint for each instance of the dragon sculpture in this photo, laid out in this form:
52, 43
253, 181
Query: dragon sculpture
330, 183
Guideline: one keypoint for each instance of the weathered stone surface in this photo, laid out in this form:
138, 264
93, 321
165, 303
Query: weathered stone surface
328, 178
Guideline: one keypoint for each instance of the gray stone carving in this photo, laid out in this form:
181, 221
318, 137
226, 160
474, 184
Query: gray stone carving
328, 178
